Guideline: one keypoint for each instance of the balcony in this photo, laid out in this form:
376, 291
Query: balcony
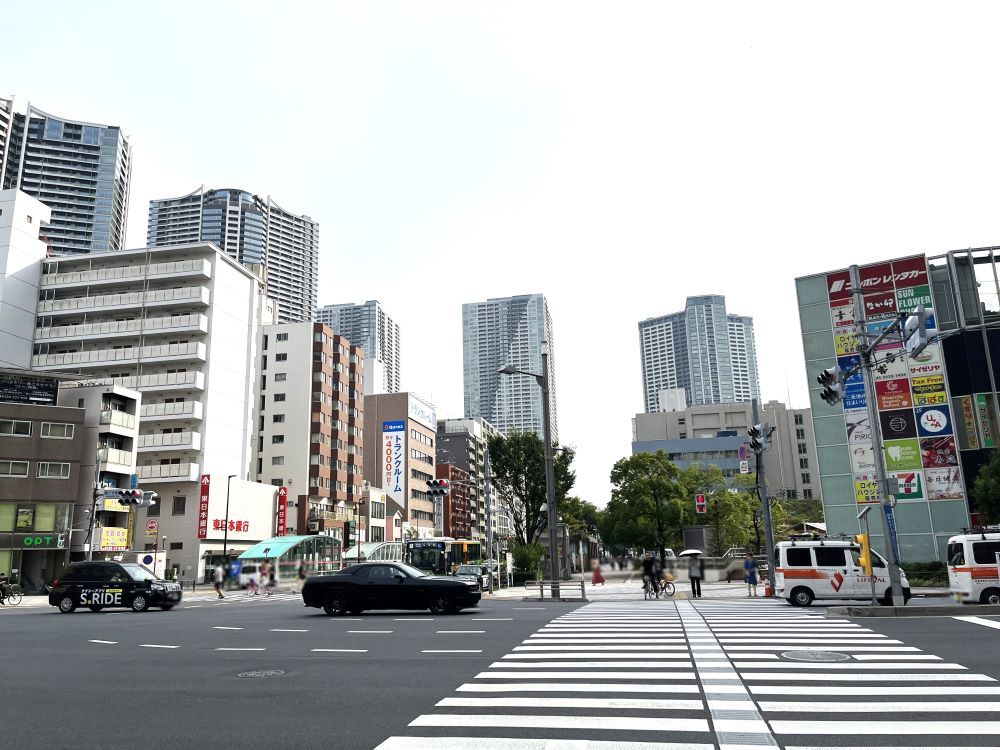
330, 515
190, 323
127, 355
116, 418
195, 295
168, 473
189, 440
116, 461
165, 381
181, 410
127, 274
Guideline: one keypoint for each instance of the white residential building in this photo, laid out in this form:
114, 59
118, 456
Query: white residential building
21, 254
367, 325
179, 325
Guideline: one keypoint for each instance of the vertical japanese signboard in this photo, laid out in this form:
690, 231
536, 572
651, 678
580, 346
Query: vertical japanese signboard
206, 485
911, 399
394, 460
282, 511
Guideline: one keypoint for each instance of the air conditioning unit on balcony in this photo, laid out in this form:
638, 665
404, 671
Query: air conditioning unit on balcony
314, 526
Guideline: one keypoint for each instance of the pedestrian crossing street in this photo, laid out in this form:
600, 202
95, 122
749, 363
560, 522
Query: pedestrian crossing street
711, 676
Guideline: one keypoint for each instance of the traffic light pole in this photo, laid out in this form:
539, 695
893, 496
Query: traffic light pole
762, 493
867, 351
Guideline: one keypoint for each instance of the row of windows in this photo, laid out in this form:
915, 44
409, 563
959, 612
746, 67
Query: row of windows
421, 438
178, 507
19, 428
45, 469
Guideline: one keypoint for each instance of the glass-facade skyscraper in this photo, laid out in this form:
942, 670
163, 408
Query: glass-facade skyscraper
508, 331
367, 325
254, 231
704, 350
80, 170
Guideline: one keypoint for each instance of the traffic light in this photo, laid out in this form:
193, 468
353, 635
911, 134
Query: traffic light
437, 487
865, 558
832, 380
756, 434
916, 334
700, 504
141, 498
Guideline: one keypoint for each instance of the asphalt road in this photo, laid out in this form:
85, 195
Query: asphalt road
161, 679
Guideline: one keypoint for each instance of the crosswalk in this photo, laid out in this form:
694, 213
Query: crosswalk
238, 597
710, 675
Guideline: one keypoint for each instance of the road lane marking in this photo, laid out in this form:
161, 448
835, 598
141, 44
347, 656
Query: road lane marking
461, 631
615, 647
599, 703
452, 651
110, 643
568, 687
506, 743
369, 631
935, 690
591, 664
224, 627
862, 728
287, 630
593, 676
597, 655
155, 645
887, 707
192, 606
867, 677
844, 665
413, 619
241, 649
619, 723
979, 621
341, 650
492, 619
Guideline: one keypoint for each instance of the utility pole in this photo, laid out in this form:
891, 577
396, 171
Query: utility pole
489, 517
867, 352
764, 438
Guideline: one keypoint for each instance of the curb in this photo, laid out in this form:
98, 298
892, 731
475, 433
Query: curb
948, 610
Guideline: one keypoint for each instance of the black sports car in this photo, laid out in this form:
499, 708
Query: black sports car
388, 585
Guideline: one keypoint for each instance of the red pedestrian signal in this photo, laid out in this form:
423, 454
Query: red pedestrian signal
700, 504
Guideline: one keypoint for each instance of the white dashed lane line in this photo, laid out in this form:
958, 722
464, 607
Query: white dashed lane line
287, 630
224, 627
452, 651
340, 650
155, 645
369, 631
241, 649
110, 643
461, 631
980, 621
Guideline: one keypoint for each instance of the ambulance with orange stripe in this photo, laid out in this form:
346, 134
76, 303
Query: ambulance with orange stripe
810, 568
974, 565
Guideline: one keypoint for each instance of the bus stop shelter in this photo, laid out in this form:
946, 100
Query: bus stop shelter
317, 554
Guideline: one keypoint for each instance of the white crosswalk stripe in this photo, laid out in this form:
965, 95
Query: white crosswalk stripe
695, 675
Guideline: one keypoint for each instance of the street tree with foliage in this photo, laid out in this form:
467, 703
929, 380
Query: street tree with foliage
579, 515
644, 502
517, 468
986, 490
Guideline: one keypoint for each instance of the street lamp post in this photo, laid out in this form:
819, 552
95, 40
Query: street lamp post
225, 529
550, 471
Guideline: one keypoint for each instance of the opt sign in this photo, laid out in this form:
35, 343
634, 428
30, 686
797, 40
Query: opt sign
152, 528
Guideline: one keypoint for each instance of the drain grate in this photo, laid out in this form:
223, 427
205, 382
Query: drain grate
815, 656
262, 673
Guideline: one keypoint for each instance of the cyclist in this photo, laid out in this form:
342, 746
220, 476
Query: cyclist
4, 588
649, 577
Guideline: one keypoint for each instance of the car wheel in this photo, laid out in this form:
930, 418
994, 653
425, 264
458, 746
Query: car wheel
95, 607
440, 603
802, 597
886, 601
140, 603
990, 596
336, 604
67, 604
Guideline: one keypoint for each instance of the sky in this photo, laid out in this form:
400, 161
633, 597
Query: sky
616, 157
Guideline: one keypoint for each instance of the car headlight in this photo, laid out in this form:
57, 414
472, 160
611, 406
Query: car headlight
158, 587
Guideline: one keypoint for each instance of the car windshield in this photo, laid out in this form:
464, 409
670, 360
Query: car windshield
410, 570
138, 573
468, 569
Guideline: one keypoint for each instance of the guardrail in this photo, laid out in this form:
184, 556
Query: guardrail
567, 589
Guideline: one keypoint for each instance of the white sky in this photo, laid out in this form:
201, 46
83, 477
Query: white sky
616, 157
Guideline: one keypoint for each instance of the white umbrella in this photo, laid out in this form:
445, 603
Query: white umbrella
690, 552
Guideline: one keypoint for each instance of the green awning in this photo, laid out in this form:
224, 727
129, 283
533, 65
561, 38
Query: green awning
273, 548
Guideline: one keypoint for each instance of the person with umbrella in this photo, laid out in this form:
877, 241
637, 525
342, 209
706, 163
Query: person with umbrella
696, 570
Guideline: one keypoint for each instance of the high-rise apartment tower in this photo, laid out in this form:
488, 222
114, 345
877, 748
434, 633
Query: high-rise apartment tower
368, 326
704, 350
508, 331
280, 246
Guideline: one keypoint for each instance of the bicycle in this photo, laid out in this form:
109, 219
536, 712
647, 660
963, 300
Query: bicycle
667, 588
648, 587
13, 594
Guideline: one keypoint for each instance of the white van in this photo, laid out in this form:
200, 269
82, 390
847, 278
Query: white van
829, 569
974, 566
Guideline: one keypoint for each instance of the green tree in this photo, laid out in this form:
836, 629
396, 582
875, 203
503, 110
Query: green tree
579, 515
517, 465
986, 490
643, 503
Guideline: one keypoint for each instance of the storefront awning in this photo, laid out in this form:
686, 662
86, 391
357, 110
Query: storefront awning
272, 548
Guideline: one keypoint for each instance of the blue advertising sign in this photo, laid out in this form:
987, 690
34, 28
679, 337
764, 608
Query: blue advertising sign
891, 522
235, 566
854, 396
135, 481
399, 426
850, 362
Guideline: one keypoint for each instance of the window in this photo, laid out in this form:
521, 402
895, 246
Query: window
807, 494
278, 418
277, 438
802, 449
956, 553
832, 557
278, 482
279, 396
15, 428
57, 430
13, 468
805, 478
281, 357
799, 557
803, 463
984, 553
49, 470
177, 545
179, 506
154, 510
798, 419
800, 434
281, 337
279, 377
277, 460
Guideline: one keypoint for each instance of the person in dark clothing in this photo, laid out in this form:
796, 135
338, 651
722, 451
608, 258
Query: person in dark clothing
648, 571
696, 571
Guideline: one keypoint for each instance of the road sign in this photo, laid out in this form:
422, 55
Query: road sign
235, 566
743, 452
152, 528
134, 482
744, 467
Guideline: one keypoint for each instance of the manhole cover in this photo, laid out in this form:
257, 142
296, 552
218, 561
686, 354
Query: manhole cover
815, 656
262, 673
